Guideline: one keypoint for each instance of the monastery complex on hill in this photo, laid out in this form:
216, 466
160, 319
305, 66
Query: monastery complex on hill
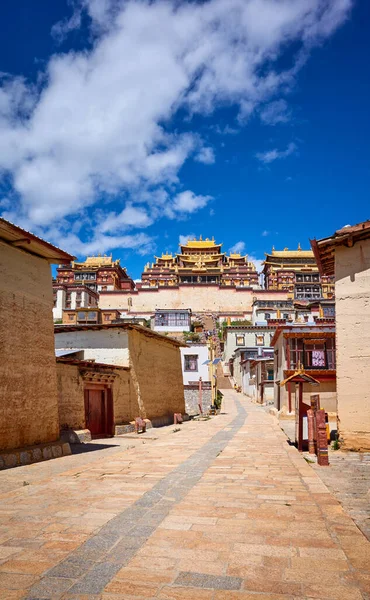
200, 277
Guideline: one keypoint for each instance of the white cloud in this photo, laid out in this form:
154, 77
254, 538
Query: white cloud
275, 112
265, 233
275, 154
227, 130
238, 248
205, 155
187, 202
140, 243
131, 216
98, 122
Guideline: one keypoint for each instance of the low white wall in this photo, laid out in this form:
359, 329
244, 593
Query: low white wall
103, 345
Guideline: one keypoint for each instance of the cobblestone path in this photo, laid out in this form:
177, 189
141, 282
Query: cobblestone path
222, 510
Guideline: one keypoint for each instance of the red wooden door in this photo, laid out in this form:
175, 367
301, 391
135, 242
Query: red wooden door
95, 411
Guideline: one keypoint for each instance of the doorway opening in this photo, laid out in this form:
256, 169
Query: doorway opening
99, 410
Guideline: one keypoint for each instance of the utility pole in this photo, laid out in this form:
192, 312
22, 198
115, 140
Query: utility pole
211, 349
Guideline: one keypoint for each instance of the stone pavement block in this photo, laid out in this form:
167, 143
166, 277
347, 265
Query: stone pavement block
252, 596
13, 594
130, 588
49, 587
6, 551
331, 592
323, 553
151, 576
272, 587
15, 581
313, 576
205, 567
179, 593
96, 579
35, 567
201, 580
72, 568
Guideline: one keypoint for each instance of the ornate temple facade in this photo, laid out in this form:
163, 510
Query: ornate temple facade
98, 273
296, 272
78, 285
200, 262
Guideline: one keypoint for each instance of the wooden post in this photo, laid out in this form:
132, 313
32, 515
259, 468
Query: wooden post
322, 440
200, 396
315, 406
300, 417
310, 423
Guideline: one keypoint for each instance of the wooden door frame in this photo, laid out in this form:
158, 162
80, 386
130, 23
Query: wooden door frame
108, 405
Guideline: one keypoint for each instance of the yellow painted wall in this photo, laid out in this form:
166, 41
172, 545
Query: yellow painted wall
156, 376
352, 290
28, 392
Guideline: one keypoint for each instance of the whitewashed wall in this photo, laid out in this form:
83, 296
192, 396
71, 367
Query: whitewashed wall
109, 346
203, 371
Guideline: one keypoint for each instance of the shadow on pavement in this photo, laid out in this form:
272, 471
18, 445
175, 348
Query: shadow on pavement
90, 447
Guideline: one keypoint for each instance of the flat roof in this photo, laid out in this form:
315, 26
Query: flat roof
324, 249
127, 326
89, 363
20, 238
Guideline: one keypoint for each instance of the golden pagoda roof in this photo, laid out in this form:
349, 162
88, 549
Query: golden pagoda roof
207, 243
165, 256
96, 261
286, 253
236, 255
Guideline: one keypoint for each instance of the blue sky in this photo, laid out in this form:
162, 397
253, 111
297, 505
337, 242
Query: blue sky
125, 125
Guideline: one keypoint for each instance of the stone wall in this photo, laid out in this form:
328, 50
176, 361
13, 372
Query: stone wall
156, 376
191, 392
28, 391
200, 298
352, 304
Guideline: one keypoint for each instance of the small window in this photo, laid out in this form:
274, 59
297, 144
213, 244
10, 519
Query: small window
107, 317
260, 339
267, 316
270, 374
285, 316
240, 340
81, 316
191, 362
92, 316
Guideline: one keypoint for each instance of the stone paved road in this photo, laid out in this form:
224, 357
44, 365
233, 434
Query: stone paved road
222, 510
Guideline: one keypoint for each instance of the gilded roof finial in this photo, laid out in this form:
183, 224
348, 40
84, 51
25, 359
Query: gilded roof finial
200, 238
286, 248
273, 249
299, 246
